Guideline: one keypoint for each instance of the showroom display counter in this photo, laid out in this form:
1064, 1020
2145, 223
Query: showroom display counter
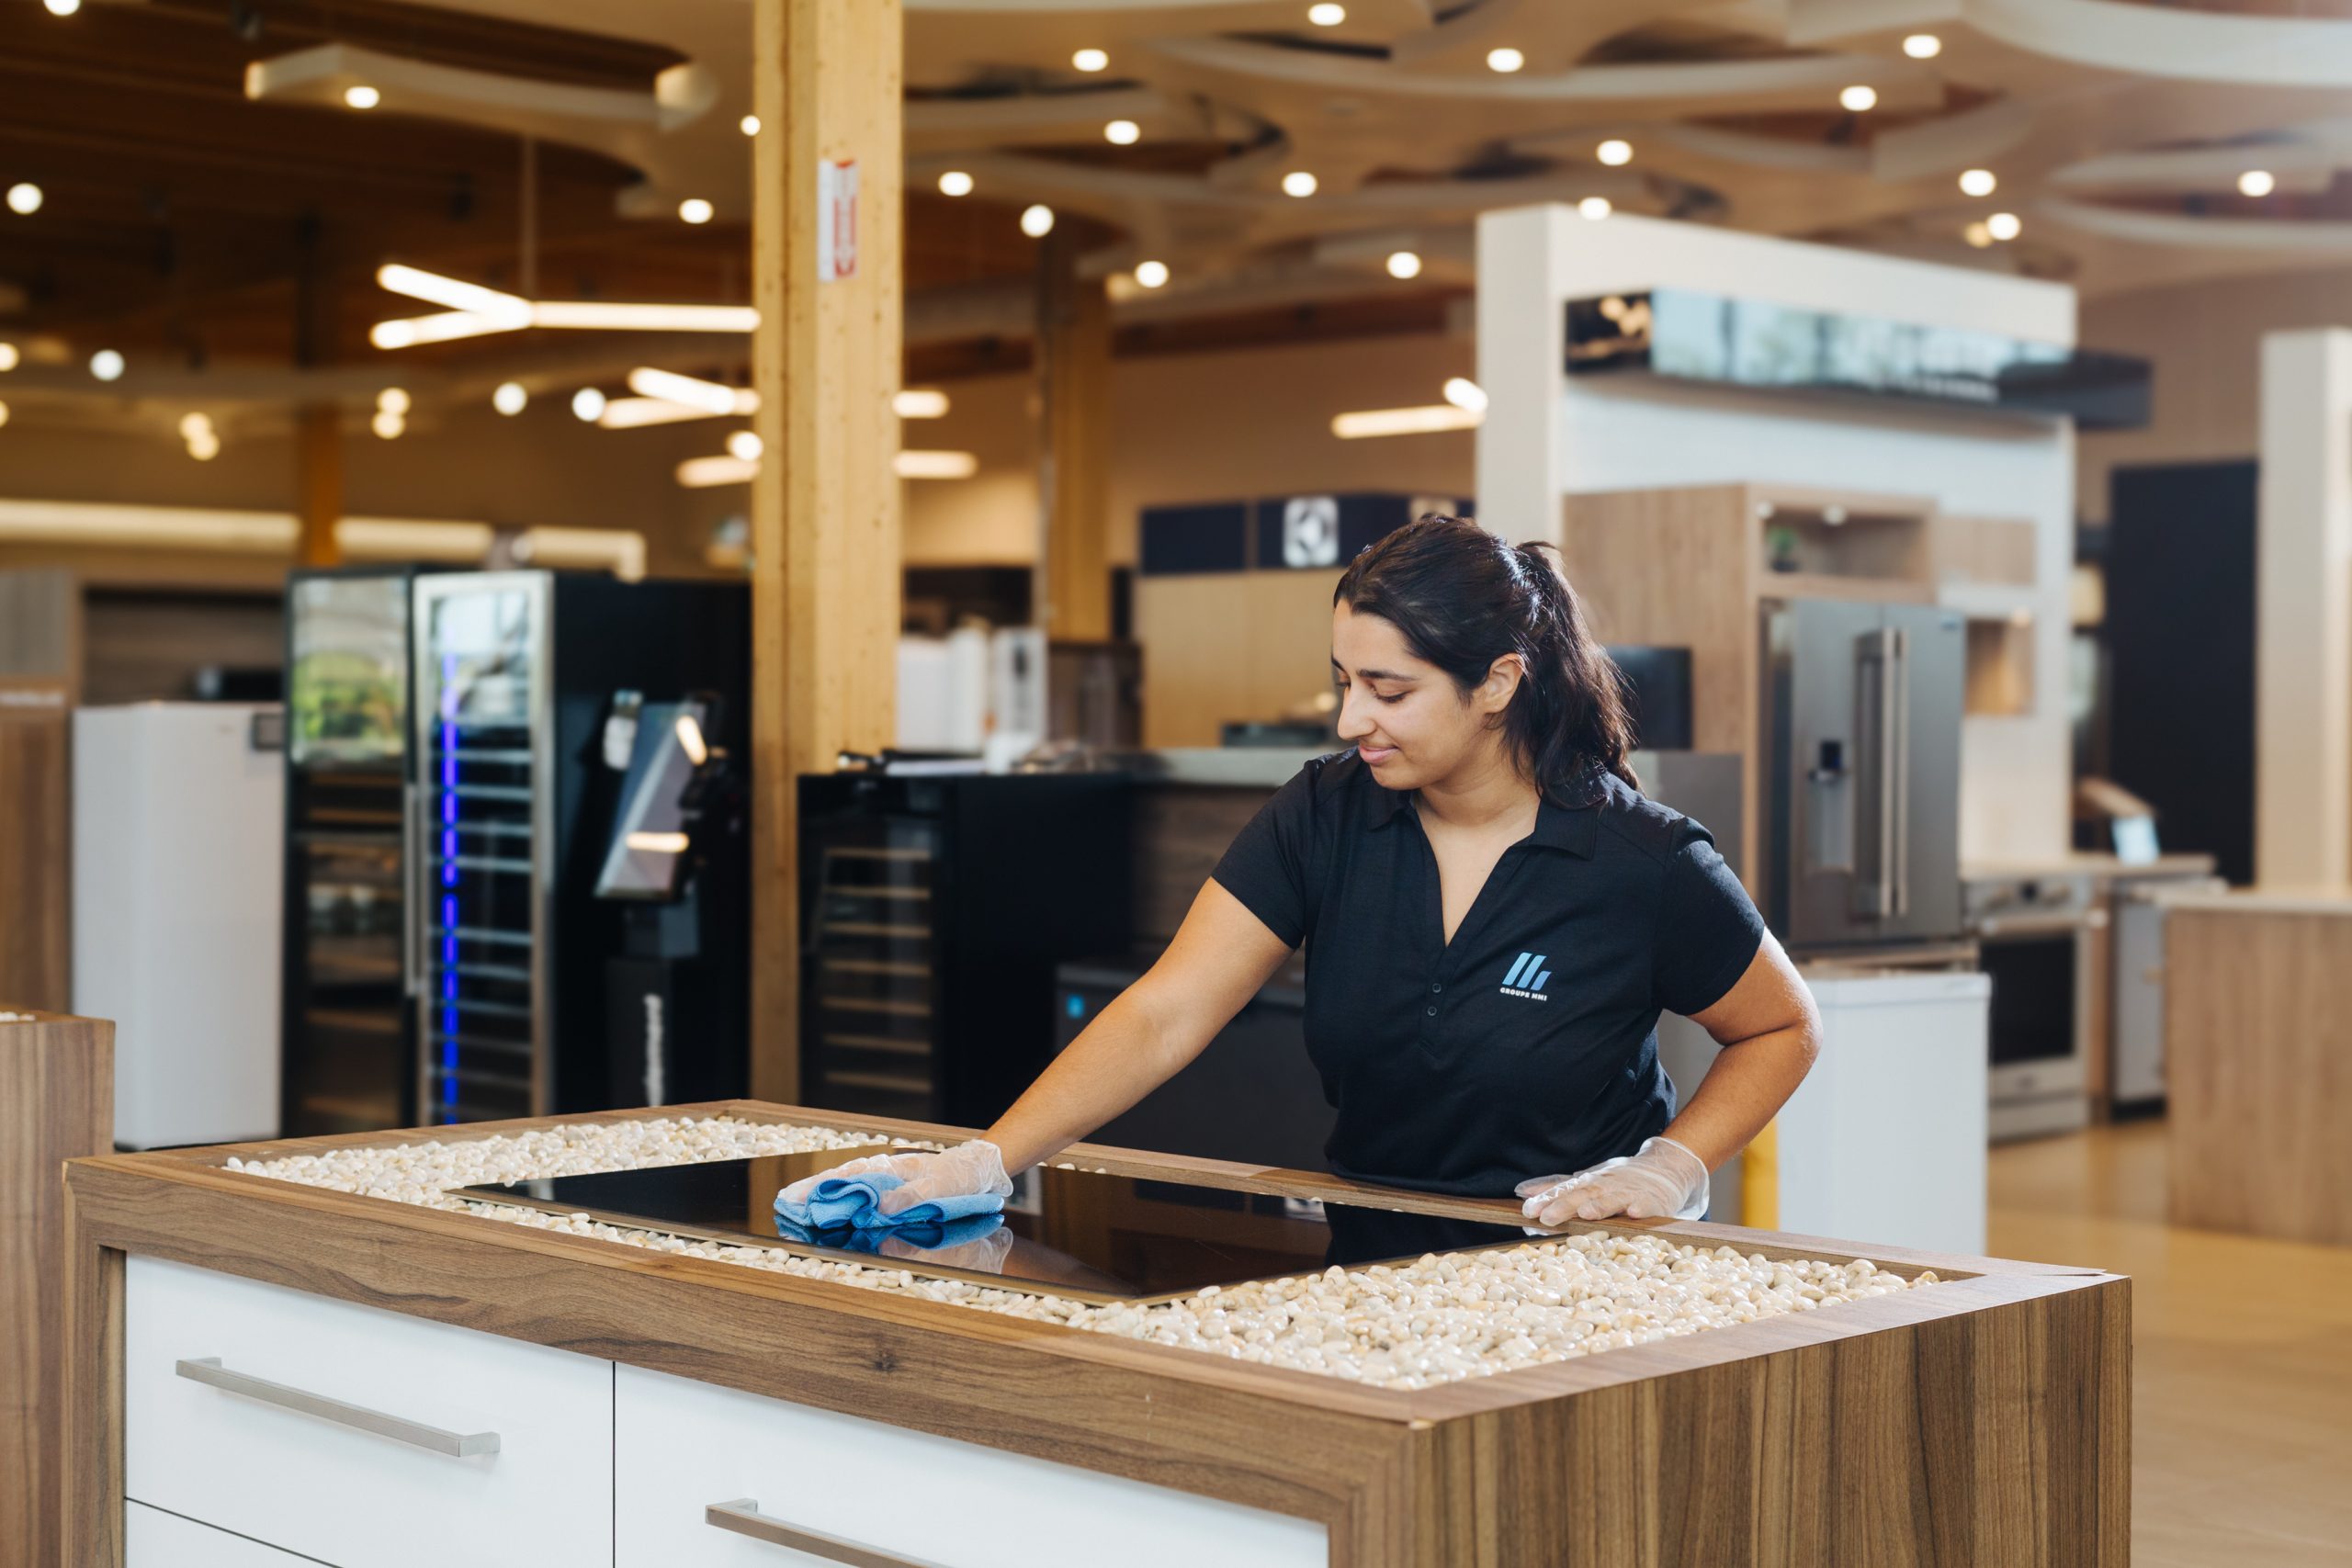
2256, 986
312, 1350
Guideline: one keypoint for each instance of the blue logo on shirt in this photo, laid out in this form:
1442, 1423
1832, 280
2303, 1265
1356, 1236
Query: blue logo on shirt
1526, 977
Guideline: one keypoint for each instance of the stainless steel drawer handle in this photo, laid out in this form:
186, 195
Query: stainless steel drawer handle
457, 1445
743, 1516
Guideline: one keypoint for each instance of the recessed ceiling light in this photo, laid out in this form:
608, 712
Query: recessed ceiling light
1977, 234
919, 403
362, 96
1298, 182
1404, 264
392, 399
955, 182
106, 365
1090, 60
695, 209
1616, 151
63, 8
1859, 98
1151, 274
8, 357
2257, 182
587, 403
1465, 393
1978, 182
510, 399
387, 424
2004, 226
1327, 15
204, 446
1123, 133
743, 444
1923, 46
751, 124
24, 197
1505, 60
194, 424
1037, 222
1595, 207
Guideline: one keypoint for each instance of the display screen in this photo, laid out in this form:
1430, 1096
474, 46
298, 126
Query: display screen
1760, 344
1072, 1232
347, 691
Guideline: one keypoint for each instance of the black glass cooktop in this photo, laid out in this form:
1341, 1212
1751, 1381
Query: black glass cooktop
1070, 1232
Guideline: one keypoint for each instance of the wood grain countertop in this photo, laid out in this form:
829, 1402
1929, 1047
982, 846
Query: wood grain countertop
2087, 862
1985, 1416
2331, 901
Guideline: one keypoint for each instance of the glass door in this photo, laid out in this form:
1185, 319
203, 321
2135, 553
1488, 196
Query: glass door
347, 1040
480, 818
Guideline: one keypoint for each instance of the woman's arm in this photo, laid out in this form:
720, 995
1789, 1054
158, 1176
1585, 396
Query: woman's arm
1770, 1032
1220, 957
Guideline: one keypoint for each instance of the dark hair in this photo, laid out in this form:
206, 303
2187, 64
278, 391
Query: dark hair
1463, 598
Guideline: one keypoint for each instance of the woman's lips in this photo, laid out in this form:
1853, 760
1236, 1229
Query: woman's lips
1375, 755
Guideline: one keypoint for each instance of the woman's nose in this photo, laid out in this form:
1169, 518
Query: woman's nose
1353, 723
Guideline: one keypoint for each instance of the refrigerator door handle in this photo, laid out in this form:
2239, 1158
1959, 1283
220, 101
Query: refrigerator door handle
1897, 867
412, 889
1875, 716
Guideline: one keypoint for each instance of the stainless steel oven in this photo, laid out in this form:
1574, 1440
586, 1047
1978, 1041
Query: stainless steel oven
2032, 938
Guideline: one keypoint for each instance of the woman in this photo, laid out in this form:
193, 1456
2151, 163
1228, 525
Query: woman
1494, 918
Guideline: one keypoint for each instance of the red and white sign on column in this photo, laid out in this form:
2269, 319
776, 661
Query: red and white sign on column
836, 219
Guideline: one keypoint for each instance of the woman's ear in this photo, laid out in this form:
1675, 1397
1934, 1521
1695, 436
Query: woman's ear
1494, 694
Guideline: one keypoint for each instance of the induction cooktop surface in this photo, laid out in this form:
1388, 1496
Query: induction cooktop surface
1069, 1233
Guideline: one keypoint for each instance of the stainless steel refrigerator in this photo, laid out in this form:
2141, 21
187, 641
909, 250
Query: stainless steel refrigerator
1860, 793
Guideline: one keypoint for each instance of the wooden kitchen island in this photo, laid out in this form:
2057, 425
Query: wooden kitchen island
607, 1402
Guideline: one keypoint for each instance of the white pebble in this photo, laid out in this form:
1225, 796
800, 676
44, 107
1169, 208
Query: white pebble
1443, 1317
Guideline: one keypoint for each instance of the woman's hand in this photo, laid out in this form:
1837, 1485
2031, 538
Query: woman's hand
1661, 1180
968, 1169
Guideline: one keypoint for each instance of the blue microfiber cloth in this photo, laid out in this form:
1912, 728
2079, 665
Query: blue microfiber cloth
935, 1234
855, 1201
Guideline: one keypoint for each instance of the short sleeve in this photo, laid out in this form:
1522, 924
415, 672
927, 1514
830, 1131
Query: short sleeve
1267, 866
1708, 930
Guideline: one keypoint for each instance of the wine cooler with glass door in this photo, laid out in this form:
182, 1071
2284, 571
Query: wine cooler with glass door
348, 1031
528, 686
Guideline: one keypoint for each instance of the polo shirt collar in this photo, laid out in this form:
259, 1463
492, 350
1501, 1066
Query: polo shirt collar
1572, 825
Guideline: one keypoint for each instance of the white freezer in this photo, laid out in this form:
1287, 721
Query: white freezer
178, 856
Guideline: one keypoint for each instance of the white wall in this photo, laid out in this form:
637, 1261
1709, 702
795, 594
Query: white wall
1601, 435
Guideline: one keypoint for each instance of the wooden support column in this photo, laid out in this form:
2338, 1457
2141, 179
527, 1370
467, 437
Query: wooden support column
1073, 596
826, 359
318, 461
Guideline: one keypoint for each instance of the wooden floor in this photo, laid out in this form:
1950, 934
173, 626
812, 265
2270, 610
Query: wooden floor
2242, 1433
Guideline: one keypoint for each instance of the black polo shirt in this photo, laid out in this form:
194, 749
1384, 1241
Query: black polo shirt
1526, 1045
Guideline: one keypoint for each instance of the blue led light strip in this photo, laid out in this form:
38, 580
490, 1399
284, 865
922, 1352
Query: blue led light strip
448, 883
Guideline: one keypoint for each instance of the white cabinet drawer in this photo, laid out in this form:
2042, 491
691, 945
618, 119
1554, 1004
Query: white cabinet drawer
291, 1459
680, 1446
152, 1538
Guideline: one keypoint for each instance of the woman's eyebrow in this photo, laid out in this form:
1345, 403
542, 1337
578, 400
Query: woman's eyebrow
1373, 675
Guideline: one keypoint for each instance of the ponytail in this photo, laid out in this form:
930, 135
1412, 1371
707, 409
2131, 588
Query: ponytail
1463, 598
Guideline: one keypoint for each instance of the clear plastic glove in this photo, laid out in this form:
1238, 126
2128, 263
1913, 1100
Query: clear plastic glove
985, 1256
967, 1169
1661, 1179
